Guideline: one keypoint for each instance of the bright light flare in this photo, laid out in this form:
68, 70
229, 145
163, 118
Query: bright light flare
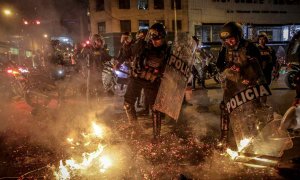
235, 154
243, 143
232, 154
98, 131
105, 163
63, 172
11, 71
7, 12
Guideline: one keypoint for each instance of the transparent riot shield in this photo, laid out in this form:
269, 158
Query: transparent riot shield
174, 81
255, 130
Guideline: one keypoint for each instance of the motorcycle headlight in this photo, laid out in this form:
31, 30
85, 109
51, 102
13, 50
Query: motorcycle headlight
60, 73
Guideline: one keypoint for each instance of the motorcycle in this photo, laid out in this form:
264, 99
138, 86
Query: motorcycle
211, 72
280, 68
115, 81
40, 87
13, 80
289, 80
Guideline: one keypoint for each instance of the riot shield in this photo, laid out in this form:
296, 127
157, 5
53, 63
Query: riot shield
293, 50
172, 88
255, 130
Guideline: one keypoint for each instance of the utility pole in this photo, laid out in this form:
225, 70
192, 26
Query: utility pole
175, 22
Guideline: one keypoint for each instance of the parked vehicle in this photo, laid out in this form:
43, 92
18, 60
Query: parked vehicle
289, 80
115, 81
211, 72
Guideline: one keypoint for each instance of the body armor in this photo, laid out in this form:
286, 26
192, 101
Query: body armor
150, 64
266, 55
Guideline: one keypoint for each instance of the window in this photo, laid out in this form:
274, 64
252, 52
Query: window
143, 24
99, 5
142, 4
125, 26
178, 4
124, 4
208, 33
179, 25
101, 27
159, 4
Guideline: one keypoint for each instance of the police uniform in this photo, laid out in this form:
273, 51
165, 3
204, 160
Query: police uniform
268, 61
96, 57
240, 63
148, 66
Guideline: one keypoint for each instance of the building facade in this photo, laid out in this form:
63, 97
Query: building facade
203, 18
112, 17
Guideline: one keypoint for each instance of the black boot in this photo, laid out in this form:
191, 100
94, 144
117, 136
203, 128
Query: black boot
203, 84
224, 126
194, 84
156, 118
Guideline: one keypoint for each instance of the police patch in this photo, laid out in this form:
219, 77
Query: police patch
247, 95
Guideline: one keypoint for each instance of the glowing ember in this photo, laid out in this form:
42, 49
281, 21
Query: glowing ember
70, 140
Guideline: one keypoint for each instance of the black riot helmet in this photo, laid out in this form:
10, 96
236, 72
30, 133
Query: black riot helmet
97, 40
141, 34
231, 29
157, 31
263, 35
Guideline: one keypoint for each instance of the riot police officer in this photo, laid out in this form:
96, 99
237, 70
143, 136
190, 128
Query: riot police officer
268, 57
96, 55
149, 64
239, 63
125, 53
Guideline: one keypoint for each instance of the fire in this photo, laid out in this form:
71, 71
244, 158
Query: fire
242, 145
98, 131
232, 154
105, 163
89, 160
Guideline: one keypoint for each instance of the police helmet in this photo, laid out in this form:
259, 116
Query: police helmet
126, 36
141, 34
264, 35
96, 37
157, 31
231, 29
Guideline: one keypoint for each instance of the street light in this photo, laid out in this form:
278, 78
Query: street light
7, 12
45, 35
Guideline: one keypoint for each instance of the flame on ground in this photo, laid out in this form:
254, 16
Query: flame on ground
89, 160
242, 145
